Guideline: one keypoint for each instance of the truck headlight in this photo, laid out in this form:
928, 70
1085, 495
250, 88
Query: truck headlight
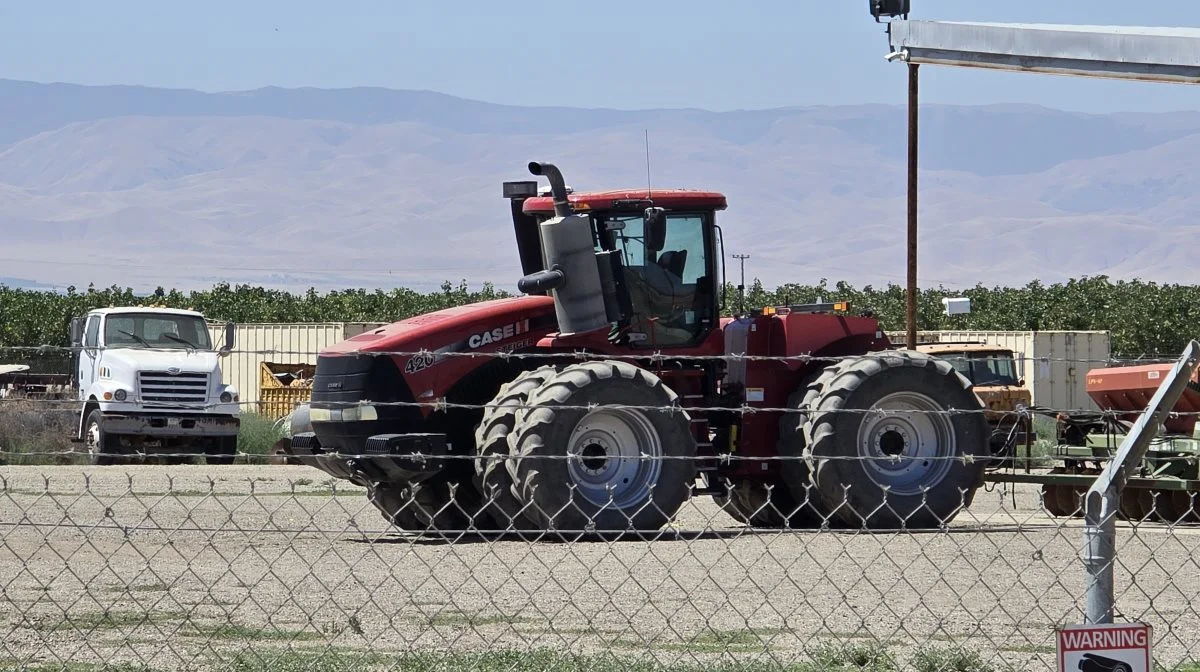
120, 395
226, 397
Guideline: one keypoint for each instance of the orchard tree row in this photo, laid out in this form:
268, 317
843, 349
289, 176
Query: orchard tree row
1144, 318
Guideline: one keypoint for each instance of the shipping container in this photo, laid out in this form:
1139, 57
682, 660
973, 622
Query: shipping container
277, 346
1054, 364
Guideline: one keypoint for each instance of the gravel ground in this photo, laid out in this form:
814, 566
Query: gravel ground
184, 566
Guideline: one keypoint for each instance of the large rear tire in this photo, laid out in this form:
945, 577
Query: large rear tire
588, 463
394, 501
765, 505
436, 505
916, 461
492, 476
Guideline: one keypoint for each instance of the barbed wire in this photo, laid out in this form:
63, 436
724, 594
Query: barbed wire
651, 355
724, 458
743, 409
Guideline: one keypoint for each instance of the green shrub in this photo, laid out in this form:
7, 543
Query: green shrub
257, 436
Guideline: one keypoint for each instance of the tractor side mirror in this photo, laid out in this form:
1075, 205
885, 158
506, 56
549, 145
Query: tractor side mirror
655, 222
76, 332
229, 335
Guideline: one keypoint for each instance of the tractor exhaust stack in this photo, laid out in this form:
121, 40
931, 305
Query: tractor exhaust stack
572, 269
558, 186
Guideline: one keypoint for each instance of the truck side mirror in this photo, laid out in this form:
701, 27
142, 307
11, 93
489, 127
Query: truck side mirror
655, 223
76, 332
229, 336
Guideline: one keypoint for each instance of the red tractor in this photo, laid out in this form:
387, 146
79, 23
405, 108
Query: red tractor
595, 403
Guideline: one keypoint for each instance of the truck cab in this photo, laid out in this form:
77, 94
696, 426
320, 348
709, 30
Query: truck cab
996, 375
149, 381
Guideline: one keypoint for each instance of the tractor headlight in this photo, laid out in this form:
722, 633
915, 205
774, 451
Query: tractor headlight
359, 414
120, 395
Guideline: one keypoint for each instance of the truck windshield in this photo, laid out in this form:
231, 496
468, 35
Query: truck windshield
986, 368
155, 330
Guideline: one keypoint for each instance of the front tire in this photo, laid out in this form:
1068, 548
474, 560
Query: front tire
223, 450
913, 459
102, 449
585, 461
492, 475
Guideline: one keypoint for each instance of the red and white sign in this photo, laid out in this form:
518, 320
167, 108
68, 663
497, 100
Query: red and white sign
1114, 647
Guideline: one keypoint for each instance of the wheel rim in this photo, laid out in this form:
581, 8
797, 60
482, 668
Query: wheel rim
93, 440
614, 457
906, 451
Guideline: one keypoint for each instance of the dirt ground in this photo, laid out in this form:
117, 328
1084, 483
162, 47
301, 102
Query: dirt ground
175, 567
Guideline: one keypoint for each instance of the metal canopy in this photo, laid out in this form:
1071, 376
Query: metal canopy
1111, 52
1120, 52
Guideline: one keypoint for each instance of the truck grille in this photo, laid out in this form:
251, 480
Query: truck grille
165, 388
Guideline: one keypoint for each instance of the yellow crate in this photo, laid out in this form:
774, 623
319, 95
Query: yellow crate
277, 402
267, 371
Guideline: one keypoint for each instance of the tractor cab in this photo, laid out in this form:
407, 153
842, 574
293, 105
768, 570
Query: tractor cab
658, 256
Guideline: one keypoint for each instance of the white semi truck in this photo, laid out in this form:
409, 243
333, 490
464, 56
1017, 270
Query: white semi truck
150, 384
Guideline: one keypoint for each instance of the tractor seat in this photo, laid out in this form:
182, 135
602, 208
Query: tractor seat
654, 290
674, 261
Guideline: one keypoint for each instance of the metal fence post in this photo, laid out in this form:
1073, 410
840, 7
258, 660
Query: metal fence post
1103, 497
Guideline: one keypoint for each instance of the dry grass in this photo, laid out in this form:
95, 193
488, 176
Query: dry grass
37, 432
34, 432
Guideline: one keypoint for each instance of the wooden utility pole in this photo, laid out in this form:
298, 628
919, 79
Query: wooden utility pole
911, 293
742, 285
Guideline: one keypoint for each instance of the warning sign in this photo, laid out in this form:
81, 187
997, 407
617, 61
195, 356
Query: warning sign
1116, 647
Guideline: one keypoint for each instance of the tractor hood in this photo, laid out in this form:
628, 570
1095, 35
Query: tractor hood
471, 327
411, 360
422, 346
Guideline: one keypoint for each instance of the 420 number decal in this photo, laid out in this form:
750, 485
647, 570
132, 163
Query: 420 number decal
419, 362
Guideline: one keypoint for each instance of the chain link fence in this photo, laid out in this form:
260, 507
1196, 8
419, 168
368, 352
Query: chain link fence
266, 564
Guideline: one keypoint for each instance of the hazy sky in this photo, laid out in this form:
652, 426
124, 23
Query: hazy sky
615, 53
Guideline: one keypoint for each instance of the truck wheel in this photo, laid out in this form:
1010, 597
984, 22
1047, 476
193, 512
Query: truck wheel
916, 461
1051, 501
492, 477
222, 451
607, 469
102, 449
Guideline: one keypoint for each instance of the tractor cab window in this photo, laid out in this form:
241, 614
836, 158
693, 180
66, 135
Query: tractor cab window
670, 284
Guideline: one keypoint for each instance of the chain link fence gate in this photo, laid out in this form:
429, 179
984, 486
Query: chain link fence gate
263, 566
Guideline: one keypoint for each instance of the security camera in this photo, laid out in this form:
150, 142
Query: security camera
889, 9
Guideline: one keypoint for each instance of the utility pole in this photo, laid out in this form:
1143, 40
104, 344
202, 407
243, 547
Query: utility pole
911, 292
742, 285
